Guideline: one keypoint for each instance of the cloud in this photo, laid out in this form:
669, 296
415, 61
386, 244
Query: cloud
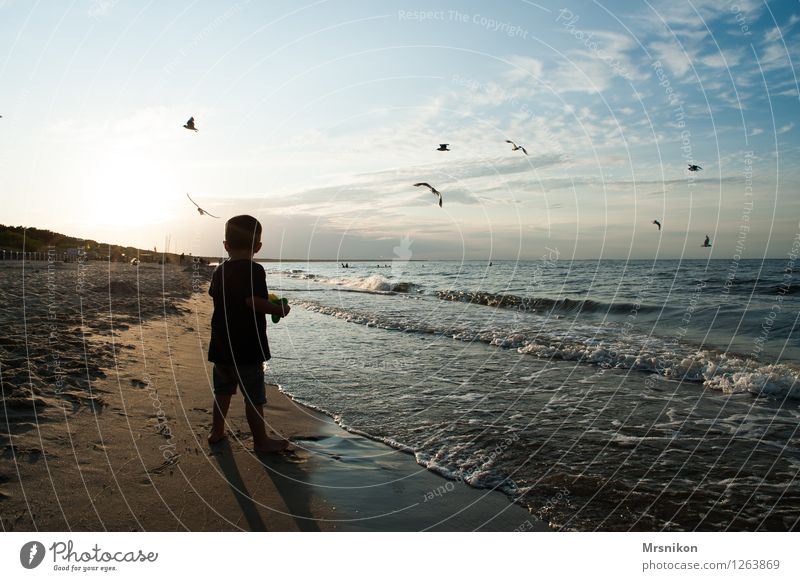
777, 34
689, 20
101, 8
523, 68
579, 70
673, 56
143, 126
778, 47
475, 168
722, 59
786, 128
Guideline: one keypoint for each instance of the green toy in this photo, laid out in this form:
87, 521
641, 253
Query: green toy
276, 300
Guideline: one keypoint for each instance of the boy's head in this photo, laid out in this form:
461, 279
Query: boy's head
243, 235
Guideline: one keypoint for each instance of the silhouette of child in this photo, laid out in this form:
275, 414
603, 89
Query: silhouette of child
238, 346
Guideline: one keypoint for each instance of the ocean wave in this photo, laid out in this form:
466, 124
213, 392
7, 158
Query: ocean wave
669, 359
457, 462
376, 282
719, 371
784, 290
340, 422
538, 304
373, 283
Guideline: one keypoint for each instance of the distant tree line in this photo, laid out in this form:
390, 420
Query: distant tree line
37, 244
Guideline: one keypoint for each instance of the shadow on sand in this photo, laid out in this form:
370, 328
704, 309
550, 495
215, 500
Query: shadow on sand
291, 482
288, 478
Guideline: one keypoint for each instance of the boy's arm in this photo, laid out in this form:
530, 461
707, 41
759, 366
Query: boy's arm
259, 301
262, 305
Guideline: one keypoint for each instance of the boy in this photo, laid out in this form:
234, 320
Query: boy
238, 346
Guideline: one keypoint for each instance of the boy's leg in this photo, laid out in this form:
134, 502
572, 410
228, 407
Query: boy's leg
251, 379
222, 401
255, 419
224, 377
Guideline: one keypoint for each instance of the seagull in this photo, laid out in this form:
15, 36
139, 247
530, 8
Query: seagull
433, 190
200, 210
657, 223
190, 124
443, 147
515, 147
707, 243
693, 167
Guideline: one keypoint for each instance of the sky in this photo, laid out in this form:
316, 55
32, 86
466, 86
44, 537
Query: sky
318, 118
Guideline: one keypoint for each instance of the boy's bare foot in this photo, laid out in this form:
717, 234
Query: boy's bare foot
216, 437
271, 445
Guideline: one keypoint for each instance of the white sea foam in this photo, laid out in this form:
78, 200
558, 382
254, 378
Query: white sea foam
719, 371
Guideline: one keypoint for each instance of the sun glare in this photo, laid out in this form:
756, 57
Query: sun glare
130, 190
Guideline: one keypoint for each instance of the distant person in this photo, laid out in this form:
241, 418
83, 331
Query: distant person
182, 257
238, 346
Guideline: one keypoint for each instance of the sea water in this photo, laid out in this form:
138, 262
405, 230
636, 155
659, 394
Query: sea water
603, 395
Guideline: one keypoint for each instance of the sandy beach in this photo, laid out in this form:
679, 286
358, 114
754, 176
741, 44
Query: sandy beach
106, 408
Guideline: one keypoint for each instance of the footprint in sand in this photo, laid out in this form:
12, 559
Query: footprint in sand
166, 465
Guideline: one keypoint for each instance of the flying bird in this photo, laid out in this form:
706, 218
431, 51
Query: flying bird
515, 147
200, 210
443, 147
657, 223
693, 167
190, 124
433, 190
707, 242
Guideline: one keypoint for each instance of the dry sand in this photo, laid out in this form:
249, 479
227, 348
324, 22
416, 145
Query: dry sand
106, 405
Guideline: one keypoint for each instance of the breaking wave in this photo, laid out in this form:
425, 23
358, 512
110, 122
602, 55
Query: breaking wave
670, 359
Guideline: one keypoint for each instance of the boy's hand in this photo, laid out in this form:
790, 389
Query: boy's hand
262, 305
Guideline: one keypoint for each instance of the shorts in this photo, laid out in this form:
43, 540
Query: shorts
249, 377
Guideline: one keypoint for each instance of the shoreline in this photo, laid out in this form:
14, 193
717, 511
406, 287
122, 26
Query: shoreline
122, 447
439, 484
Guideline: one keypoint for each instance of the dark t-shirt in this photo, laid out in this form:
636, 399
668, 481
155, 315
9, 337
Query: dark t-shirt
238, 333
